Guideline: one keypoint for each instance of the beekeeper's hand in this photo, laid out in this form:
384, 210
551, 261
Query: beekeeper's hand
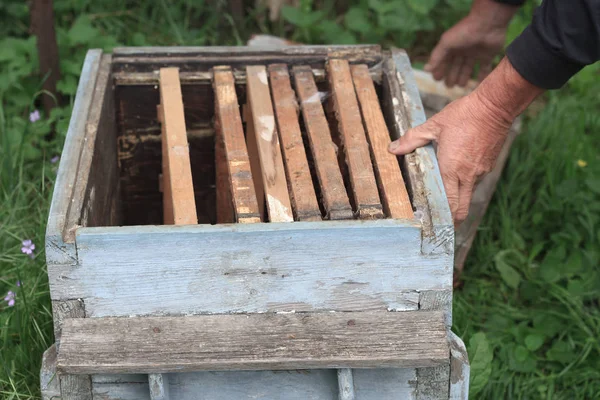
470, 132
476, 39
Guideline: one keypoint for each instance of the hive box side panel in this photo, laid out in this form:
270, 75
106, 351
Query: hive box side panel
440, 238
304, 266
57, 251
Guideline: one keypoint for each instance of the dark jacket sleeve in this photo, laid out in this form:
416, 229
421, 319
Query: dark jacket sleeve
563, 37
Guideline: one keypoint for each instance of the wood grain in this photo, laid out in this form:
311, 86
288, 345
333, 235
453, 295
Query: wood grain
252, 145
394, 196
230, 131
354, 141
302, 191
277, 198
333, 192
439, 237
179, 204
58, 250
253, 342
328, 265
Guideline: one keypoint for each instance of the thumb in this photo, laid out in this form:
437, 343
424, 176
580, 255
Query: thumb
416, 137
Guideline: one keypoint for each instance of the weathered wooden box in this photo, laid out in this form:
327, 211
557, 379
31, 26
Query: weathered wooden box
363, 278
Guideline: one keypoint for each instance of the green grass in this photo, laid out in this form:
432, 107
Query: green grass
528, 308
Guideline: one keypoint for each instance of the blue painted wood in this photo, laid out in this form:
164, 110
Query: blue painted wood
345, 384
442, 238
370, 384
57, 251
302, 266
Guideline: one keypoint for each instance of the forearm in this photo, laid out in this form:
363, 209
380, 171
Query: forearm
492, 14
506, 93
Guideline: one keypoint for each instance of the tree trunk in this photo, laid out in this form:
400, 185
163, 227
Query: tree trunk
42, 26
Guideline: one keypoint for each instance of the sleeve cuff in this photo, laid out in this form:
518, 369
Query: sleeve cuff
511, 2
537, 63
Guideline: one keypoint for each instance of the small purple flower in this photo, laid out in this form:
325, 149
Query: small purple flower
10, 298
28, 247
18, 283
34, 116
54, 159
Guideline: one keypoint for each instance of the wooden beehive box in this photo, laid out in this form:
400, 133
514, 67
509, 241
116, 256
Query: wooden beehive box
234, 209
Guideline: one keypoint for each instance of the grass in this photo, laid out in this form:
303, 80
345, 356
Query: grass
528, 307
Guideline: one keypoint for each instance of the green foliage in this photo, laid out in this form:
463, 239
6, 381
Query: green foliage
528, 307
390, 22
532, 282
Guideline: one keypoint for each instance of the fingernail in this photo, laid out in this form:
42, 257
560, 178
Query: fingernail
393, 146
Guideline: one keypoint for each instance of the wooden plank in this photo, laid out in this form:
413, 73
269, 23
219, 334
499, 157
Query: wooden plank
195, 59
201, 78
460, 370
229, 129
394, 196
440, 237
49, 382
277, 199
327, 265
354, 52
345, 384
333, 192
253, 342
96, 183
252, 144
178, 190
225, 212
302, 191
58, 251
354, 141
159, 386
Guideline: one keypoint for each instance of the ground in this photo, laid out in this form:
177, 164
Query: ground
528, 305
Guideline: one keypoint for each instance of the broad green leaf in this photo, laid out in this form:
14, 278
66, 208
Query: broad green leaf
356, 19
422, 6
334, 33
547, 324
534, 341
481, 357
302, 19
522, 360
509, 275
593, 184
561, 352
82, 31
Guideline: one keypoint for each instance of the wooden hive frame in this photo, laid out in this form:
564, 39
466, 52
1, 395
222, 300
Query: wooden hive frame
84, 243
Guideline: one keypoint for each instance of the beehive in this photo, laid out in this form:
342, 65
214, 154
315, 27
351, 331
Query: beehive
221, 215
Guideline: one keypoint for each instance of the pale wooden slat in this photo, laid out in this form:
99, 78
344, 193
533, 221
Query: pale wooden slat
277, 198
225, 212
253, 342
229, 130
392, 188
302, 191
178, 190
333, 192
259, 187
352, 135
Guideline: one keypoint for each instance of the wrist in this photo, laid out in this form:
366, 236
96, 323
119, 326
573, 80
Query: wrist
489, 15
506, 93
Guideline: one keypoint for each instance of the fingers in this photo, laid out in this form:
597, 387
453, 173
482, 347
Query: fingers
416, 137
454, 71
451, 187
438, 61
466, 72
465, 192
